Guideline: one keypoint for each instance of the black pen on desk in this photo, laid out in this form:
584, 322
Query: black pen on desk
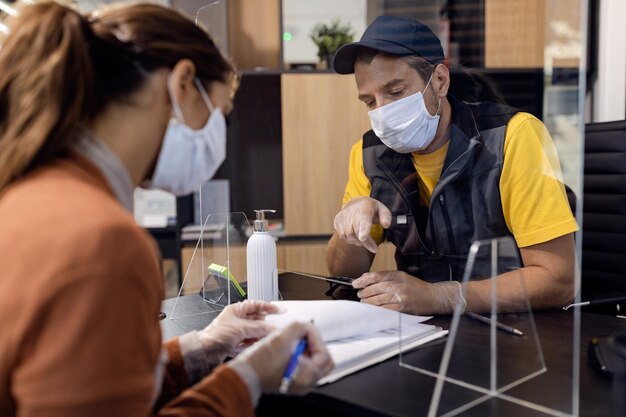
499, 325
596, 302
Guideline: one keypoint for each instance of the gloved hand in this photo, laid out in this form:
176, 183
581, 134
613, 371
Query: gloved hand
269, 357
354, 222
237, 324
400, 291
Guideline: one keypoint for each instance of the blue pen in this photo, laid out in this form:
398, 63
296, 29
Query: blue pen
285, 383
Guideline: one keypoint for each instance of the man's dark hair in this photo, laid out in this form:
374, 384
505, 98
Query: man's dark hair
465, 84
423, 67
473, 86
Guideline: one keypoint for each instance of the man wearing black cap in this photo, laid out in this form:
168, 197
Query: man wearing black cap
436, 174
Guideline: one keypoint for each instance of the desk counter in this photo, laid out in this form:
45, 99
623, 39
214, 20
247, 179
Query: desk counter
388, 389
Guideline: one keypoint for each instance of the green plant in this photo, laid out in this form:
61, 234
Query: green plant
329, 37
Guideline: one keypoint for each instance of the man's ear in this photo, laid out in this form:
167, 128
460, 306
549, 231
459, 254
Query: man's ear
181, 82
441, 80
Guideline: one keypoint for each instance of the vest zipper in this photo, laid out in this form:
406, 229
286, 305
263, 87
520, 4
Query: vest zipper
440, 185
437, 194
400, 189
446, 220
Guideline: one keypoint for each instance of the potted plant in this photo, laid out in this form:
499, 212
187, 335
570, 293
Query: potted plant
329, 37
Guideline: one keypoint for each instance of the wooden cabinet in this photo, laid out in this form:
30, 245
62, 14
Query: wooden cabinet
195, 268
384, 259
321, 120
514, 33
532, 33
254, 31
310, 257
302, 256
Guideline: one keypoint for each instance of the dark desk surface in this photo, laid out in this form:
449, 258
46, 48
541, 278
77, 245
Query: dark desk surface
388, 389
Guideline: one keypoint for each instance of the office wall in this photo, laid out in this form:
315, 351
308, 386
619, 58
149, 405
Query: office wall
300, 16
210, 15
254, 33
610, 87
94, 4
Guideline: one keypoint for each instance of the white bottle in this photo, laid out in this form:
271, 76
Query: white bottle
261, 260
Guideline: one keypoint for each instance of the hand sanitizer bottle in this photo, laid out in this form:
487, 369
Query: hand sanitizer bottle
261, 259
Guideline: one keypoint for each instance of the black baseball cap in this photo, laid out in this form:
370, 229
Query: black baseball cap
395, 36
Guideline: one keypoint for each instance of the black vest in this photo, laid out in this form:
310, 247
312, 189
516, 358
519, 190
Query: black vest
432, 243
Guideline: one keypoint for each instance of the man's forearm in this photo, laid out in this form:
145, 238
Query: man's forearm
347, 260
513, 290
546, 280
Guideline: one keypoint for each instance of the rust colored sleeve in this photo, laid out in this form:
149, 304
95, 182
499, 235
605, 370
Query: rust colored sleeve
175, 378
222, 393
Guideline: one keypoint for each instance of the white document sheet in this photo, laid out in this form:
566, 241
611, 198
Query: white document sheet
357, 335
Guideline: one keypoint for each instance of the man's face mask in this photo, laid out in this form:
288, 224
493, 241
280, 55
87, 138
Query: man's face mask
188, 157
405, 125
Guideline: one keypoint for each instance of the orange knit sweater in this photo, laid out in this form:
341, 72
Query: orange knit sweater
80, 292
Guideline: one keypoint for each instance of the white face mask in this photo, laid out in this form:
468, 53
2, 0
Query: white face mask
405, 125
188, 157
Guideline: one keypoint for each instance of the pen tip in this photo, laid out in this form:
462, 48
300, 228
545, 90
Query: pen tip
518, 332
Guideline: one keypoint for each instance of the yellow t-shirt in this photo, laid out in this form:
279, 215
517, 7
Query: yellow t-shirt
428, 167
533, 197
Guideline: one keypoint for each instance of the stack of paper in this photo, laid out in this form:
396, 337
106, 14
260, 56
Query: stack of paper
357, 335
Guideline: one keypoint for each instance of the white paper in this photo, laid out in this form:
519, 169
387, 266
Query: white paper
357, 335
338, 319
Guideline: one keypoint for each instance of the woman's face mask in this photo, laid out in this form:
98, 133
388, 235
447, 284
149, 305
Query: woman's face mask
405, 125
188, 158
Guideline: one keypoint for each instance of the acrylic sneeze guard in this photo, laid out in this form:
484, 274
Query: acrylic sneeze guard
463, 380
219, 256
513, 368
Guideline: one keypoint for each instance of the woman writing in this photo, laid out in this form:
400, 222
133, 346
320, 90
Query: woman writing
85, 109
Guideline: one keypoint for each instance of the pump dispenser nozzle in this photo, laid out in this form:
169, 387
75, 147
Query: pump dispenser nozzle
260, 224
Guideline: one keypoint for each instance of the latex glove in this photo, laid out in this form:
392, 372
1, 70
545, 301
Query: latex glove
400, 291
239, 323
354, 222
269, 357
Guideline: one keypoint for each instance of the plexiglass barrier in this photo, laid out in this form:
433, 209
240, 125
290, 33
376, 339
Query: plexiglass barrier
509, 364
216, 274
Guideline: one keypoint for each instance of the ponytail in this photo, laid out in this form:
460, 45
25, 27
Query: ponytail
45, 76
59, 70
